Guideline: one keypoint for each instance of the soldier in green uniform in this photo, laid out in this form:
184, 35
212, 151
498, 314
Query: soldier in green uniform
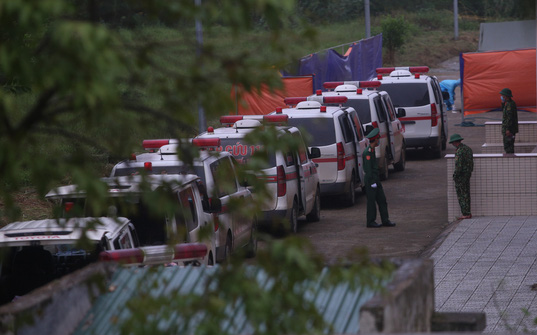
464, 165
373, 187
509, 121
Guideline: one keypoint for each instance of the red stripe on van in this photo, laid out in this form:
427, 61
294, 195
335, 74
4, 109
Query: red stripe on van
417, 118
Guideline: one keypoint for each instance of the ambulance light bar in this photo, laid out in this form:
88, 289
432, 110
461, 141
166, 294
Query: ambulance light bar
154, 145
294, 100
339, 99
411, 69
206, 142
158, 254
358, 84
279, 118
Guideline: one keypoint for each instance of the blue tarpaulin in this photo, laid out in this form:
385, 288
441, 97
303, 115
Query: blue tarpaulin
358, 63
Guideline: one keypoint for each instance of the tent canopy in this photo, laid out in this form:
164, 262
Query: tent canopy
265, 100
484, 74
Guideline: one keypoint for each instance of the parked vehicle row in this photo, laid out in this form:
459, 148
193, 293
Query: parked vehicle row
405, 105
218, 178
290, 176
126, 197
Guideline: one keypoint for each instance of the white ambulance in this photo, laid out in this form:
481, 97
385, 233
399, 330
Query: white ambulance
339, 135
127, 196
234, 230
291, 177
34, 253
420, 95
375, 110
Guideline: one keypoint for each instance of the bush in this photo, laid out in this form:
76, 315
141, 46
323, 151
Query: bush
394, 31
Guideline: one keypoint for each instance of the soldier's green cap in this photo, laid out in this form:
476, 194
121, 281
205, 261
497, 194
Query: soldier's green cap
455, 138
373, 133
507, 92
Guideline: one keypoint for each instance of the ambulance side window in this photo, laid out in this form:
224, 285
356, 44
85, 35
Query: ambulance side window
436, 90
223, 168
187, 214
357, 127
289, 159
381, 113
390, 108
302, 151
346, 128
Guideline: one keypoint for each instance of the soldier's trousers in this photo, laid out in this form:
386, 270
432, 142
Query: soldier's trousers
376, 196
509, 144
462, 186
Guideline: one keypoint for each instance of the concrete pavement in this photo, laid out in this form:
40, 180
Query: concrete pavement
489, 264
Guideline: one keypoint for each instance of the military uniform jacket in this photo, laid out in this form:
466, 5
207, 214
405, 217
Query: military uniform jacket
371, 168
510, 117
464, 162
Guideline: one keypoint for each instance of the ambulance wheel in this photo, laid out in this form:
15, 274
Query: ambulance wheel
400, 166
350, 197
228, 249
444, 139
315, 214
252, 245
210, 261
437, 151
293, 220
384, 172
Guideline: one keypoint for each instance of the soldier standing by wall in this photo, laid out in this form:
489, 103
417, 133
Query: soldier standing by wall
464, 165
509, 121
373, 188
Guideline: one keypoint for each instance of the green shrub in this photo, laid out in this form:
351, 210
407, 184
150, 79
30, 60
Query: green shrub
394, 32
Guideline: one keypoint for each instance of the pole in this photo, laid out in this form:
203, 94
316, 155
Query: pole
202, 123
367, 20
456, 18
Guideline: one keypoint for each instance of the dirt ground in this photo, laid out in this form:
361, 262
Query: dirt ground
417, 199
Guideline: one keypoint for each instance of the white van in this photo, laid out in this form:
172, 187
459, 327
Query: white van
126, 198
339, 135
291, 178
218, 176
375, 110
420, 95
34, 253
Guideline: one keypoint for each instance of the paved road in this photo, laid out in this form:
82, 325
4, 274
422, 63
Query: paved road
417, 200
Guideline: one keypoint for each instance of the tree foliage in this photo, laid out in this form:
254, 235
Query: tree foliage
80, 90
394, 31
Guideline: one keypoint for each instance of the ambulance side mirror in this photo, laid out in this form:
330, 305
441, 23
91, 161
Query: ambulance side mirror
315, 153
401, 112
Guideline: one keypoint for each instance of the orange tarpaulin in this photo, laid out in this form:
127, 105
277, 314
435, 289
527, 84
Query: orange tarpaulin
485, 74
266, 101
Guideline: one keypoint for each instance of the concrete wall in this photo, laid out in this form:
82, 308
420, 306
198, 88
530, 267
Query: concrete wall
58, 307
525, 140
500, 185
407, 305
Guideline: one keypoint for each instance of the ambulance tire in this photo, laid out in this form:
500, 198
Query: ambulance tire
252, 245
400, 166
293, 219
315, 214
210, 260
229, 248
384, 172
437, 151
350, 197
